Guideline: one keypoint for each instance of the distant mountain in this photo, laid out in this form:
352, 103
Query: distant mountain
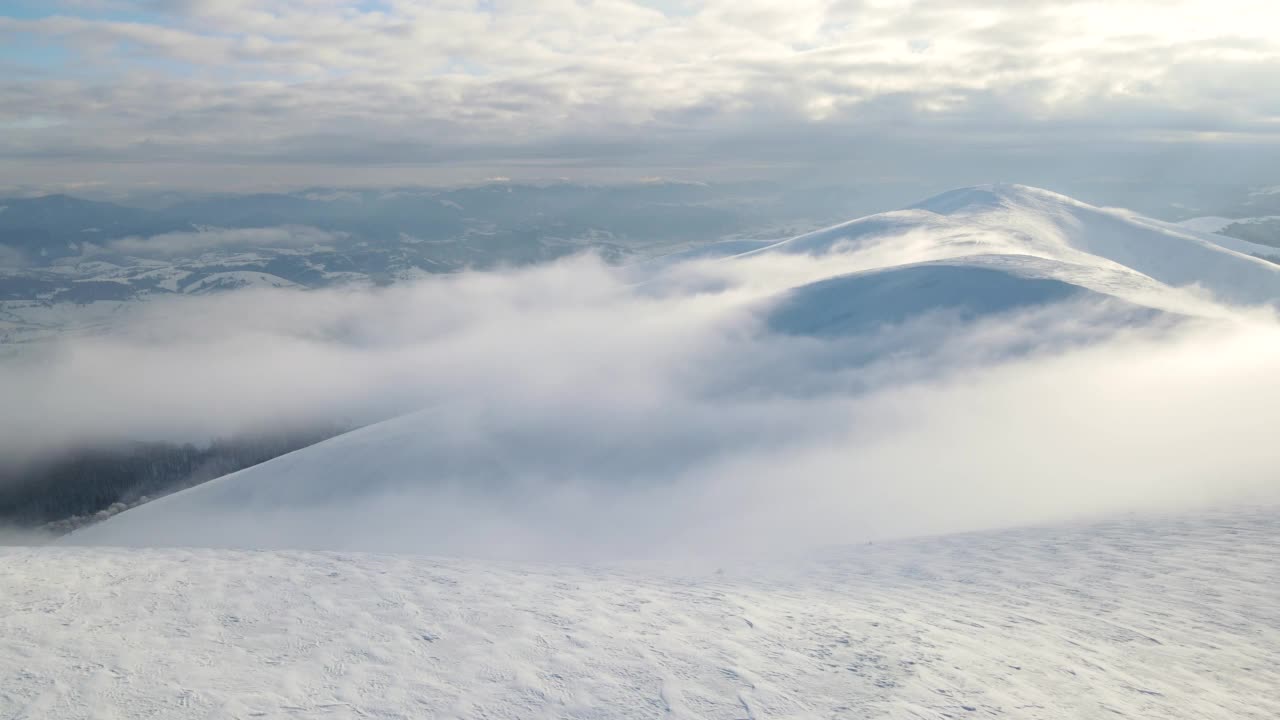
1262, 233
56, 226
1254, 217
46, 228
64, 260
1037, 234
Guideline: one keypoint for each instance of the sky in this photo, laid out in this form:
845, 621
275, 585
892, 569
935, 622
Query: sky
231, 94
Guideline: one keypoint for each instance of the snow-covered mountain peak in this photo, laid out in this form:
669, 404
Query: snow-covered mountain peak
984, 198
1093, 246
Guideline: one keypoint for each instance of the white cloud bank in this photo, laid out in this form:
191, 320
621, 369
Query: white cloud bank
186, 243
571, 412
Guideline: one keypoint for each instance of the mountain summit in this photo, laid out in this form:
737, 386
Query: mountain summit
1109, 251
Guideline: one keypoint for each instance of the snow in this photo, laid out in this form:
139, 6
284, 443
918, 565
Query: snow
1241, 246
237, 279
1019, 220
170, 279
30, 321
860, 302
1159, 618
1208, 223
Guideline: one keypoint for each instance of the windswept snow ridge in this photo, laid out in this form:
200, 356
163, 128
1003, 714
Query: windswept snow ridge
1085, 245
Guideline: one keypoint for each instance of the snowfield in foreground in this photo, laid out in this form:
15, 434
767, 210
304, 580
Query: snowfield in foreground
1170, 618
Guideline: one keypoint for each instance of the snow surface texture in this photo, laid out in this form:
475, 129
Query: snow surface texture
1155, 619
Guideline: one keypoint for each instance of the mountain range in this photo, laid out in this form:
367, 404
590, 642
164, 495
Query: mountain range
69, 264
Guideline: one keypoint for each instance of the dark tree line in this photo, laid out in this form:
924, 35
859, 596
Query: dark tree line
78, 486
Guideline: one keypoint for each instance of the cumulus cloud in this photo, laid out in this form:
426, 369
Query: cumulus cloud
482, 86
570, 411
1083, 435
188, 243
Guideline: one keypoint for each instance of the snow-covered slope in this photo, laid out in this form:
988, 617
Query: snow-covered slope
1164, 619
963, 288
992, 249
1214, 228
1110, 251
236, 280
861, 301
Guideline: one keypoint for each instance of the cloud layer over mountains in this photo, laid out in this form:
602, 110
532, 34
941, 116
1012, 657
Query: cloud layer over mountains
577, 409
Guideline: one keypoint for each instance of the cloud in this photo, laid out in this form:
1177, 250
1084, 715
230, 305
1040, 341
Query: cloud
477, 86
188, 243
569, 411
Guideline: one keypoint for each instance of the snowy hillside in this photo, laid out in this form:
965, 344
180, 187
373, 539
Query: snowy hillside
1107, 251
1157, 619
990, 249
